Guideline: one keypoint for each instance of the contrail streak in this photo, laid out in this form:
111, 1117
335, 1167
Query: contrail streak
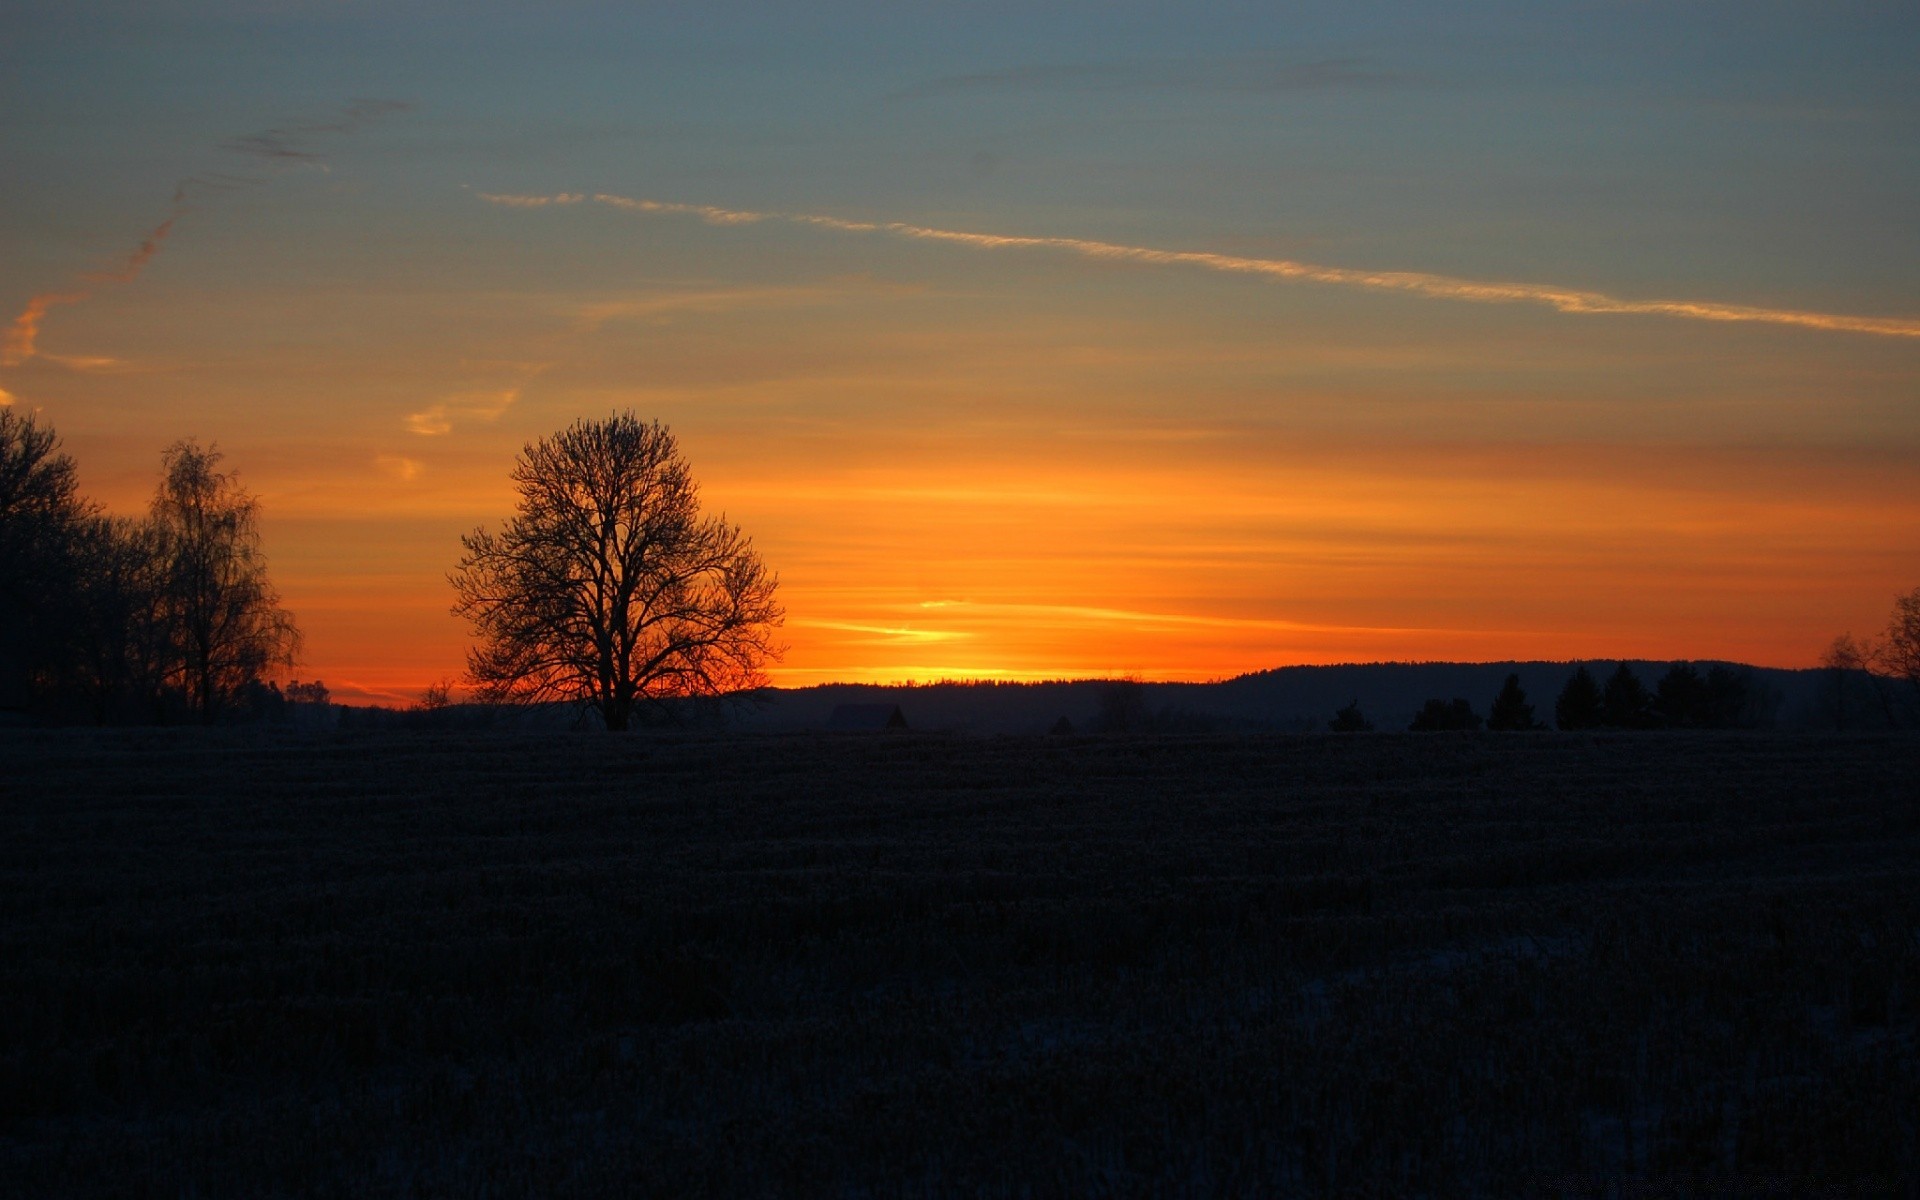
23, 336
136, 262
269, 146
1416, 283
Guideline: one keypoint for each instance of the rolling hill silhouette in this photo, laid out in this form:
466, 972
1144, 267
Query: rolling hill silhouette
1284, 699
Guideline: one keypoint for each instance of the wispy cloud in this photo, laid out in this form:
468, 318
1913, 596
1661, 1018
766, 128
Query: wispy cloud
24, 334
1077, 612
439, 419
590, 317
277, 145
398, 466
1246, 74
431, 422
887, 634
595, 315
290, 142
101, 364
6, 398
1415, 283
368, 691
716, 216
504, 201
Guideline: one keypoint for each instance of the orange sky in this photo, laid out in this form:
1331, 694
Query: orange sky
1413, 362
980, 481
963, 567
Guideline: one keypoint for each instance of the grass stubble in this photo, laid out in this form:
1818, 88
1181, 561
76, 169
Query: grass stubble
235, 964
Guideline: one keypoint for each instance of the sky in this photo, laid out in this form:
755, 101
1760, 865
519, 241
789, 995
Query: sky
1024, 341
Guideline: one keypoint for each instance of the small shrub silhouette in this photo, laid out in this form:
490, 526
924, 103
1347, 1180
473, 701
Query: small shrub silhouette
1350, 720
1123, 708
1439, 715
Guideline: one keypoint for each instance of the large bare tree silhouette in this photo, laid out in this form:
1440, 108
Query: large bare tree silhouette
608, 587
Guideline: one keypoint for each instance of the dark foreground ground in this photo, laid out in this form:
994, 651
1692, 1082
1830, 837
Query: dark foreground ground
407, 964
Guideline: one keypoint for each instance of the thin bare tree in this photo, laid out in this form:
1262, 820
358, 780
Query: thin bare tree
125, 648
1898, 651
40, 508
227, 626
608, 588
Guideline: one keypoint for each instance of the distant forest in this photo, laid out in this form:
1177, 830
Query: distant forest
1386, 697
171, 618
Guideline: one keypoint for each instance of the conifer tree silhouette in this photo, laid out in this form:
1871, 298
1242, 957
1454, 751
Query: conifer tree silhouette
1624, 702
1510, 709
1579, 704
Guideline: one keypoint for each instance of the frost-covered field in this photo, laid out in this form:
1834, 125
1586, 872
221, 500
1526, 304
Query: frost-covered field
592, 965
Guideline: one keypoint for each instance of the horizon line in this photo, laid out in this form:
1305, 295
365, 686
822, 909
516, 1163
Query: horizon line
1052, 680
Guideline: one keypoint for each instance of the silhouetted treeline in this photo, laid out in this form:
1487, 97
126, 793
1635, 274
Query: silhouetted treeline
435, 711
168, 617
1281, 700
1124, 709
442, 718
1723, 697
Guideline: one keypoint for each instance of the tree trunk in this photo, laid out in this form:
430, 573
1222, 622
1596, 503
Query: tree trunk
206, 692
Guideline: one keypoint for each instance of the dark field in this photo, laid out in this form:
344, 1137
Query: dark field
408, 964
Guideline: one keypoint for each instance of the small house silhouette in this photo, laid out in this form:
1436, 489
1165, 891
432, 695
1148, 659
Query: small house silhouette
867, 718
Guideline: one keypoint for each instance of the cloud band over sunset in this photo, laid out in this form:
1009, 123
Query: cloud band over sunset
1416, 283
